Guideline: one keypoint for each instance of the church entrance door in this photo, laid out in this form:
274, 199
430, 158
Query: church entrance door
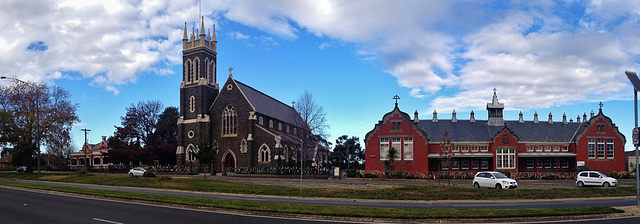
229, 163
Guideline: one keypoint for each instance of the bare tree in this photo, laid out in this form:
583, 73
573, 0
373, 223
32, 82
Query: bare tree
312, 114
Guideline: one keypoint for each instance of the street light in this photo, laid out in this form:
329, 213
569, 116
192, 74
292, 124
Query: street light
37, 114
636, 87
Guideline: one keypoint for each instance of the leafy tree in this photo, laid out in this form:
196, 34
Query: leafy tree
348, 154
142, 118
312, 114
164, 140
390, 163
32, 114
206, 153
125, 147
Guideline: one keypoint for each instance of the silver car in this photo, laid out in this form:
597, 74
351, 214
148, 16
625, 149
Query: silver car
493, 180
595, 178
138, 171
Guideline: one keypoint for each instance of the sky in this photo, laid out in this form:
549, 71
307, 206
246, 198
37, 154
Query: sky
558, 57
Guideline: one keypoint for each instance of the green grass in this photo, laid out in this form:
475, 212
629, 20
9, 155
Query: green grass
347, 211
395, 192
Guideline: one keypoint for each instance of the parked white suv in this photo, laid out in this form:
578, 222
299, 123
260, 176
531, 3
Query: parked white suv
595, 178
493, 180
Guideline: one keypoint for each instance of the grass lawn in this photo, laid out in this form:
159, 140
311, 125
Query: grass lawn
346, 211
397, 192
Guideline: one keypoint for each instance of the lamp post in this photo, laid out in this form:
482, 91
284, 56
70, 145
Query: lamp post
636, 87
37, 115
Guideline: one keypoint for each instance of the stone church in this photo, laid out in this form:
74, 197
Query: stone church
253, 130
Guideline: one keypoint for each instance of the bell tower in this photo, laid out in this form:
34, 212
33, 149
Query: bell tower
495, 111
198, 90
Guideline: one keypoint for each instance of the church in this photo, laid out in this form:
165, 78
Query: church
253, 130
434, 145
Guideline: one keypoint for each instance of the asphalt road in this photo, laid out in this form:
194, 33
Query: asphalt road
21, 206
564, 203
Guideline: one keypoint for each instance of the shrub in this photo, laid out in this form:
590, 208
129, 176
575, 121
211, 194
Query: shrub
149, 174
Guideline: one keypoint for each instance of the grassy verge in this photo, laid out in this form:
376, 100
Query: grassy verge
346, 211
397, 192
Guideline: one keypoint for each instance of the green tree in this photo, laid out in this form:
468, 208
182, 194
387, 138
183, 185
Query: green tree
390, 163
32, 114
206, 153
348, 154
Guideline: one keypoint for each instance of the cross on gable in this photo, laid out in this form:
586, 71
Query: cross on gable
396, 97
600, 105
230, 69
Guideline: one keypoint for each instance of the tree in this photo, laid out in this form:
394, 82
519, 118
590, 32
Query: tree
446, 154
33, 114
390, 163
206, 153
164, 139
348, 154
143, 118
312, 114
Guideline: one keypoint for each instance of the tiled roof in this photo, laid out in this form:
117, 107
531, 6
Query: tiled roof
264, 104
480, 131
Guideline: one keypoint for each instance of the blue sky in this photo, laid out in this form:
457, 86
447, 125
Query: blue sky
353, 56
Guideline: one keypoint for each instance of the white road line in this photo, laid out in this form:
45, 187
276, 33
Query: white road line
107, 221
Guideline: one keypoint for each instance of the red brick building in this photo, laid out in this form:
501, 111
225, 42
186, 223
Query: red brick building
91, 155
496, 144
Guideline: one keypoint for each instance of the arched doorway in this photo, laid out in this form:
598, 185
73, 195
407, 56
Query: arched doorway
229, 161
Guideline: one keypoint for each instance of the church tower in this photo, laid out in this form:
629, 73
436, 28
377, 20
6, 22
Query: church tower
495, 111
198, 90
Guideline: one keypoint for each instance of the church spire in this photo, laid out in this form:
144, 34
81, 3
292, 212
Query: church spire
185, 37
202, 34
213, 35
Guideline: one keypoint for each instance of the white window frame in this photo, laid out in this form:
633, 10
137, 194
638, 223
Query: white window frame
609, 148
396, 142
408, 148
505, 158
384, 148
591, 148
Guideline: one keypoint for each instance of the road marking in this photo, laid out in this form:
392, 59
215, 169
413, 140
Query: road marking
107, 221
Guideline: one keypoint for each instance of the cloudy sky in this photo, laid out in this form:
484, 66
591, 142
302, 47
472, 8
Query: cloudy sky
558, 57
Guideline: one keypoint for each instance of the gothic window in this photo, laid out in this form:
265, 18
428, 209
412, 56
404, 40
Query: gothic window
191, 150
271, 124
264, 154
295, 131
188, 70
206, 68
286, 153
196, 68
279, 126
287, 129
212, 70
229, 121
260, 121
243, 146
192, 104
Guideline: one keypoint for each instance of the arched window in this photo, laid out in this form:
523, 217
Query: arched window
271, 124
74, 162
286, 153
196, 69
191, 150
260, 121
243, 146
96, 161
192, 104
188, 71
264, 154
229, 121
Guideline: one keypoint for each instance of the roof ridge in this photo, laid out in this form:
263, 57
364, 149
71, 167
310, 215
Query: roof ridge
263, 94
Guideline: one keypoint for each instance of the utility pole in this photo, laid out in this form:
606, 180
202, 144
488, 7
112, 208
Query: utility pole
86, 162
636, 142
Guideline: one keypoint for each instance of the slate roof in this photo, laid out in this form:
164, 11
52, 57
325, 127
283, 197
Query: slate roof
480, 131
267, 105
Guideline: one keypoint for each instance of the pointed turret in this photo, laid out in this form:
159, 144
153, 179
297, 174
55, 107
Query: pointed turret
520, 118
415, 117
550, 118
185, 37
564, 118
202, 28
453, 116
535, 117
435, 116
473, 117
